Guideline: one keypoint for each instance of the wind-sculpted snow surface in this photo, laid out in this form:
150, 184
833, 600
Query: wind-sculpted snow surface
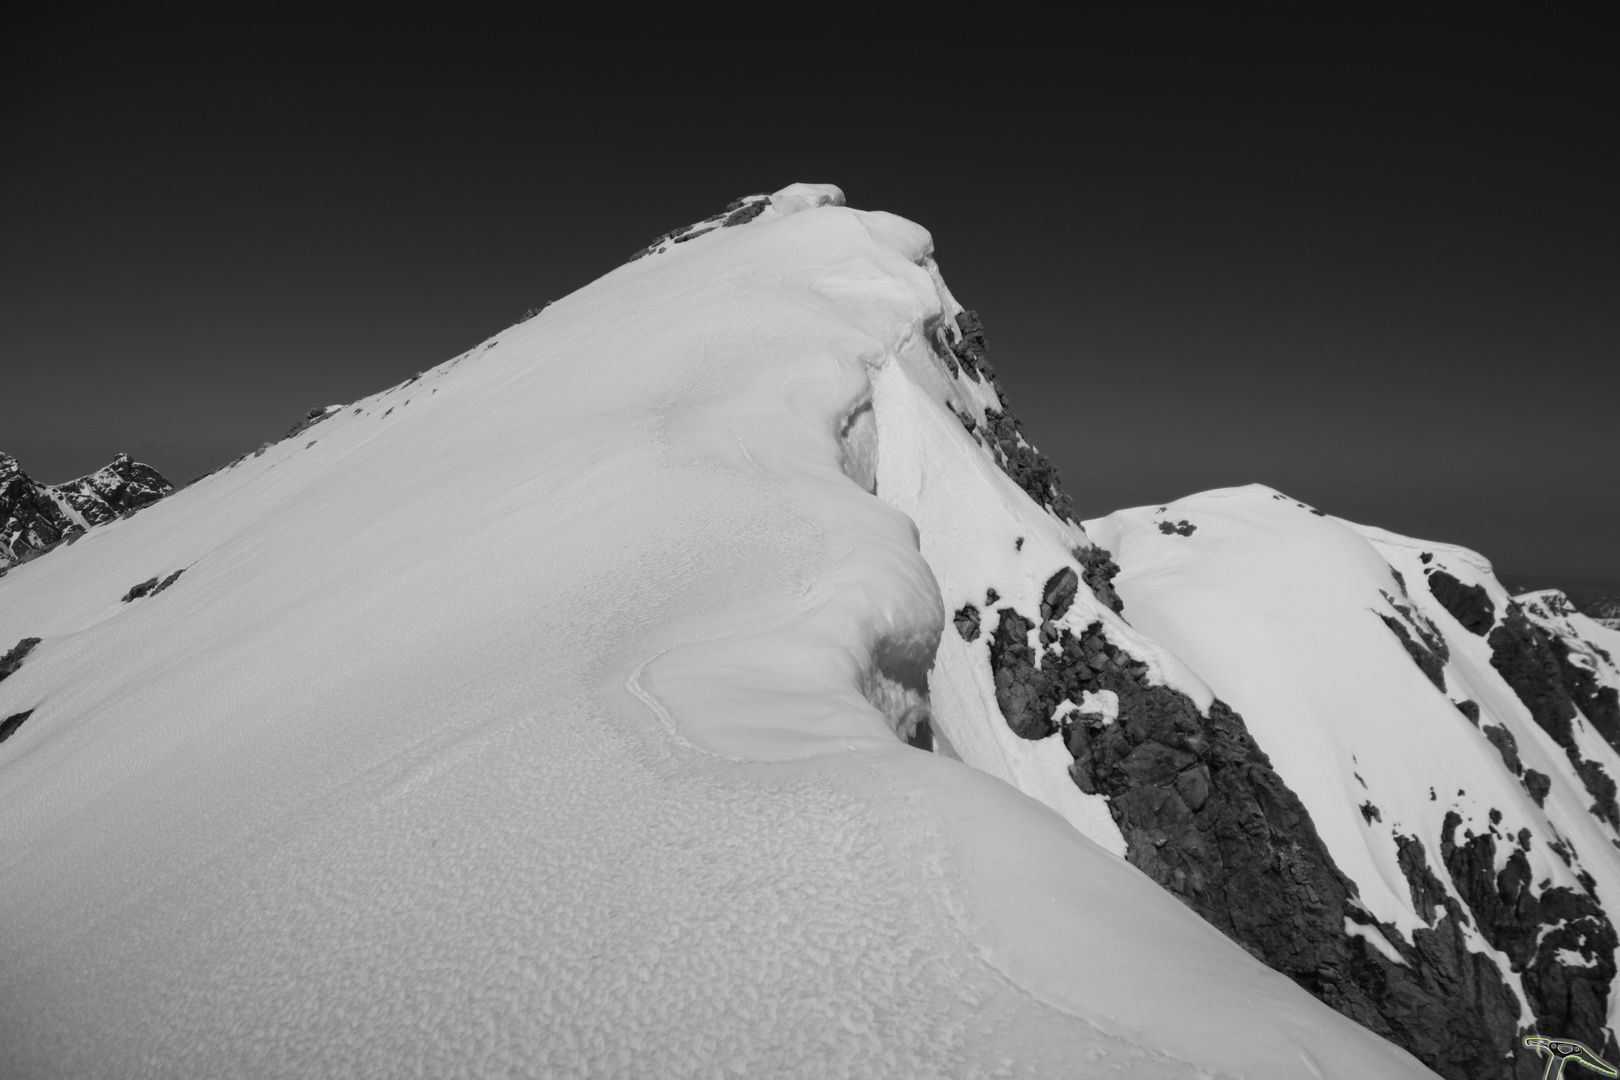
517, 722
1447, 741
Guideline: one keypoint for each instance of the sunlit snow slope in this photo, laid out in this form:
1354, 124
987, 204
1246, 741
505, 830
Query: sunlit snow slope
517, 721
1454, 747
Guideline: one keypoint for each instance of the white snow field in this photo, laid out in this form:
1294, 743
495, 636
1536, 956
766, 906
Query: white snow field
1280, 607
510, 723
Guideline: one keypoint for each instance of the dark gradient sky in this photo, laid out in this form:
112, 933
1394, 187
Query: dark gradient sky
1374, 265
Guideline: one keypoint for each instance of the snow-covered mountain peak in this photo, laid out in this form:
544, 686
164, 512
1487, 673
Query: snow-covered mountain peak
547, 712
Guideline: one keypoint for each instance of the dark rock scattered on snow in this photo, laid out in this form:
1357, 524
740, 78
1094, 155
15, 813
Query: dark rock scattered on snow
968, 354
151, 587
315, 416
1529, 660
1469, 709
1098, 570
1534, 930
12, 723
745, 209
971, 348
1429, 655
138, 591
1599, 703
1179, 528
737, 212
1002, 434
1058, 594
967, 622
1030, 469
14, 656
1537, 784
1506, 745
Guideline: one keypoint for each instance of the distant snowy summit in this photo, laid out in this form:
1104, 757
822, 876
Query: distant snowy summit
35, 517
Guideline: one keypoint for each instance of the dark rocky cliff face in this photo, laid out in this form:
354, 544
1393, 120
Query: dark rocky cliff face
1537, 666
1206, 816
35, 517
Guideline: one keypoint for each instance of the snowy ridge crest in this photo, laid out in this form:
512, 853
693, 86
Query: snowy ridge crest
564, 691
35, 517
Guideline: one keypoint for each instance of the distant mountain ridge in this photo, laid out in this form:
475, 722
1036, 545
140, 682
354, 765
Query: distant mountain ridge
35, 517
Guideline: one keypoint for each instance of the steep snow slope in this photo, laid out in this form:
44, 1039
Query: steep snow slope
519, 719
1454, 748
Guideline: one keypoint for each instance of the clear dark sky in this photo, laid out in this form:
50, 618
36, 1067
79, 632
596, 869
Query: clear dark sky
1373, 265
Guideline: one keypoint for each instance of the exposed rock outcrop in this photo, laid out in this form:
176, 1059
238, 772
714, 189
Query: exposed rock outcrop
1002, 433
12, 723
966, 354
151, 587
13, 658
9, 663
1534, 930
1528, 659
1582, 664
737, 212
1468, 604
36, 517
1429, 655
1204, 814
316, 415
